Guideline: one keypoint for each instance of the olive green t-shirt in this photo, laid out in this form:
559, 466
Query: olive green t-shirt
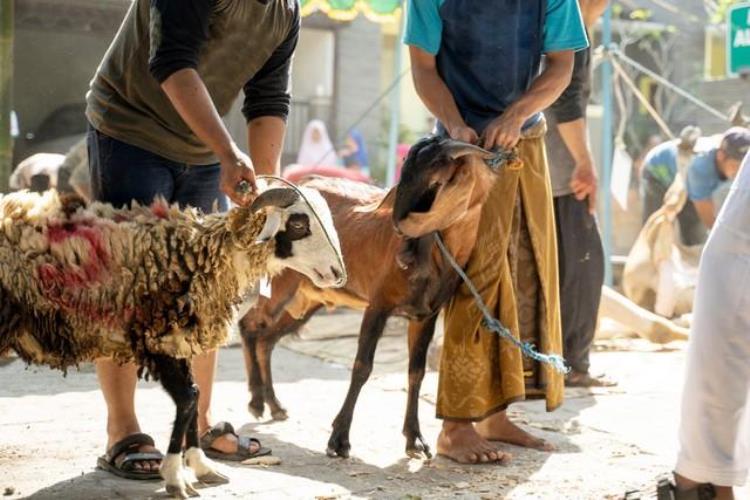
232, 44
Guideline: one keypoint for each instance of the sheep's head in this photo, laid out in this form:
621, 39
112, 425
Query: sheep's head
440, 181
300, 222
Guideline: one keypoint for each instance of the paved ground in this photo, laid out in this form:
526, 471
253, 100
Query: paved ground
609, 441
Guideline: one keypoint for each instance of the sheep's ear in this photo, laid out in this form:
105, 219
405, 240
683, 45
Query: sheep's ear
271, 227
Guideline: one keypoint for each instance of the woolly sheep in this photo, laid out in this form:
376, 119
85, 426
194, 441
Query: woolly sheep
154, 285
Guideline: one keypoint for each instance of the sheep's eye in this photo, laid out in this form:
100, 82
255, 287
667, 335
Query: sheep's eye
298, 226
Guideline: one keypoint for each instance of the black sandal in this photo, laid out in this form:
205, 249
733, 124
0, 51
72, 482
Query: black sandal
243, 444
129, 448
667, 490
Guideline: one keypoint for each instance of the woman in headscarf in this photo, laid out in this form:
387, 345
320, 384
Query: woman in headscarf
354, 152
316, 148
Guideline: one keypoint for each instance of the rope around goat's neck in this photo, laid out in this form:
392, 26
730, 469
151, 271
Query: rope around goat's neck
494, 325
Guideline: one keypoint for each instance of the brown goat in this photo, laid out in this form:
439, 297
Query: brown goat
443, 186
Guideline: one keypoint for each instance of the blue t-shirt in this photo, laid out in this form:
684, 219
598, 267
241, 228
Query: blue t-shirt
563, 26
703, 178
488, 52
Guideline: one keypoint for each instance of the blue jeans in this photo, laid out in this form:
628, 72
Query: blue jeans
122, 173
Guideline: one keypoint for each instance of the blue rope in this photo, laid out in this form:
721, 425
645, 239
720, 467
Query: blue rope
494, 325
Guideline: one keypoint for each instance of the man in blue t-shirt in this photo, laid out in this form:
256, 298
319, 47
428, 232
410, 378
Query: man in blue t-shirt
477, 65
717, 159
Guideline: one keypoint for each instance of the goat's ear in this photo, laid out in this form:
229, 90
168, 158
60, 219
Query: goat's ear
271, 227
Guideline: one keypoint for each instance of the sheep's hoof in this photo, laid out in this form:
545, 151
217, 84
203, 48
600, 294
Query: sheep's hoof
279, 414
182, 492
173, 473
255, 410
213, 478
205, 469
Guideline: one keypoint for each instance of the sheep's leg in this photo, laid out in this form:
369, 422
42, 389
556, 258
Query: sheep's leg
177, 380
371, 330
420, 336
205, 469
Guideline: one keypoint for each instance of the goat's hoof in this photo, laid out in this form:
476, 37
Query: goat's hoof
338, 447
255, 410
419, 452
279, 414
340, 453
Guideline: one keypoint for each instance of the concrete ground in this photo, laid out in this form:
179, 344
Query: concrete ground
609, 440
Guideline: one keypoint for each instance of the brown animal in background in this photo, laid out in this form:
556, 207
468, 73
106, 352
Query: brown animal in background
443, 186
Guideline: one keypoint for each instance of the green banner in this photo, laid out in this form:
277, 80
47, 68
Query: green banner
738, 39
346, 10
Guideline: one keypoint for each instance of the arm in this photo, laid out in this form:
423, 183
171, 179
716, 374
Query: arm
592, 11
182, 30
584, 179
706, 211
435, 95
569, 112
505, 131
267, 104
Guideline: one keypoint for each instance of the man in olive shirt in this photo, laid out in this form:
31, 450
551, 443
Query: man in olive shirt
174, 67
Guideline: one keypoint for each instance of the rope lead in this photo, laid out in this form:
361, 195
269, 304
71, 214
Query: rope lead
494, 325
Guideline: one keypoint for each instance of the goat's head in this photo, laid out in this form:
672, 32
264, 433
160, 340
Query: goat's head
300, 222
440, 181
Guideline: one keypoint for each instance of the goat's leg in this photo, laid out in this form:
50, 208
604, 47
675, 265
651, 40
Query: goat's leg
371, 330
264, 350
257, 403
177, 380
420, 336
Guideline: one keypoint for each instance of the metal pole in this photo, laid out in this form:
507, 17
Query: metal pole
395, 105
6, 80
607, 149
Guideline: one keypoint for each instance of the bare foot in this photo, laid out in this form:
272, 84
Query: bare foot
498, 427
581, 379
460, 442
229, 443
138, 465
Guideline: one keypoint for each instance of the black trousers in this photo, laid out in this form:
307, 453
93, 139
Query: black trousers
581, 264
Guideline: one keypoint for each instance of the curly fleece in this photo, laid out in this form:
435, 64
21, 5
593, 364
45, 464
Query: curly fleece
82, 282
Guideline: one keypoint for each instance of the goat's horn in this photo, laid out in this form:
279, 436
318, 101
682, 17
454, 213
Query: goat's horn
457, 149
276, 197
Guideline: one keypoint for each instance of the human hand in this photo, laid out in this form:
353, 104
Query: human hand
503, 132
584, 184
235, 168
464, 133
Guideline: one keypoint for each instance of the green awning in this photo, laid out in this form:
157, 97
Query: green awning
346, 10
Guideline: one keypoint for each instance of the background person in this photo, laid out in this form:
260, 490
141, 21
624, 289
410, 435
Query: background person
574, 185
316, 148
717, 159
714, 431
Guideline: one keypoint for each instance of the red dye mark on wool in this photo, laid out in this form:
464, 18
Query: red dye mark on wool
65, 284
160, 209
